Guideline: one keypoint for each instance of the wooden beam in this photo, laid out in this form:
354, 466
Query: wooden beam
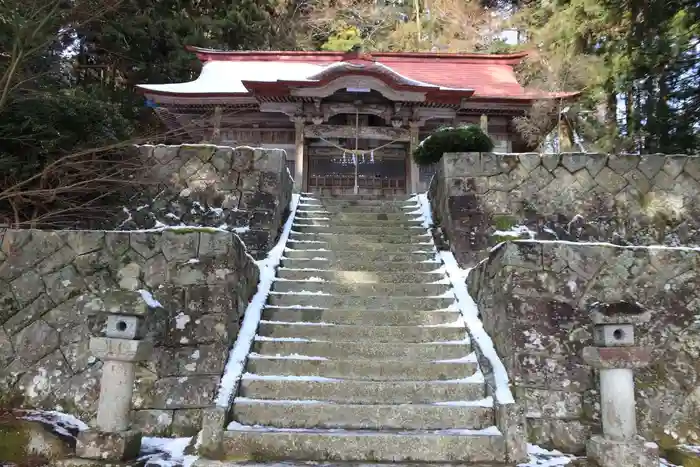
349, 131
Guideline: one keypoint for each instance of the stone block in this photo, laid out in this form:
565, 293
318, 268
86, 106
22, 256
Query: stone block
213, 426
542, 403
21, 317
617, 357
153, 422
574, 162
180, 245
121, 446
631, 453
187, 422
185, 392
510, 420
36, 341
125, 327
613, 335
27, 287
123, 350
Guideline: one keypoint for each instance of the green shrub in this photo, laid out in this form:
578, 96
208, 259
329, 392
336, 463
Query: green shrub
461, 139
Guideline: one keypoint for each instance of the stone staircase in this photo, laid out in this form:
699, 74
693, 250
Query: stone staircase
361, 354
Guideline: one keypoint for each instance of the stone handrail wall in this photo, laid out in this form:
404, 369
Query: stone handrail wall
481, 199
533, 298
241, 189
56, 286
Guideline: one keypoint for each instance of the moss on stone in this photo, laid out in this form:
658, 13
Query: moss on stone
505, 238
504, 222
683, 457
186, 230
13, 440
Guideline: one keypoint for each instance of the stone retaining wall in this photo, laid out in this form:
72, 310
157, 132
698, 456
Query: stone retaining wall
240, 189
482, 199
56, 286
533, 298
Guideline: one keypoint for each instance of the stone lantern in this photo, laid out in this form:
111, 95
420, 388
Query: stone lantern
120, 349
615, 356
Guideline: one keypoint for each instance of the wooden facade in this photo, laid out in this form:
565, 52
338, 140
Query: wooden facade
348, 123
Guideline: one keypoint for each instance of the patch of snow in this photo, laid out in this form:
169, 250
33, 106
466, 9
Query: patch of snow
469, 311
318, 379
245, 400
243, 229
294, 356
425, 210
612, 245
486, 402
166, 452
192, 261
516, 232
539, 457
61, 423
458, 323
444, 280
251, 317
181, 320
297, 323
302, 292
471, 358
308, 279
148, 298
283, 339
477, 377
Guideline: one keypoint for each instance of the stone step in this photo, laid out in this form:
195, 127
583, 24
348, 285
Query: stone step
351, 197
361, 201
358, 245
360, 392
360, 277
320, 210
398, 224
359, 265
355, 301
357, 240
350, 333
353, 288
407, 232
361, 317
289, 414
374, 370
358, 217
355, 446
344, 255
364, 350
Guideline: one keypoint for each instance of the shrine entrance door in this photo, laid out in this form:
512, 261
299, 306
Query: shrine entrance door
332, 172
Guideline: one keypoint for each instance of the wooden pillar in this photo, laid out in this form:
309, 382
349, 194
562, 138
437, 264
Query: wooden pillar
566, 138
484, 123
299, 166
414, 173
216, 131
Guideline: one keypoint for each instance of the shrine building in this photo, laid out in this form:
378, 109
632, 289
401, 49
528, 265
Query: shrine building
348, 121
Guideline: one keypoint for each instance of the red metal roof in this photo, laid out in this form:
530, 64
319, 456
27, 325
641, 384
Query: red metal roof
480, 76
489, 75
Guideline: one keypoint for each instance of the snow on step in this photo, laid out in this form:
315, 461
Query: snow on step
321, 414
362, 317
359, 391
352, 333
453, 446
363, 350
374, 370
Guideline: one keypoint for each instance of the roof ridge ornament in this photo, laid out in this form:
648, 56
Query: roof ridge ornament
357, 53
